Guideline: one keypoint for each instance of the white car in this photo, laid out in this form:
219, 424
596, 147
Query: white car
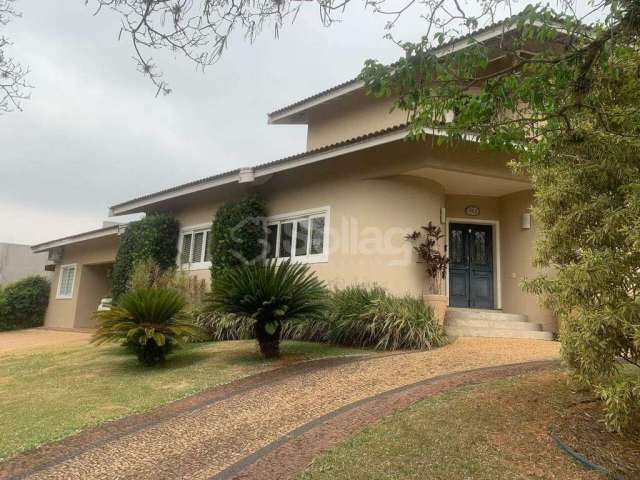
105, 304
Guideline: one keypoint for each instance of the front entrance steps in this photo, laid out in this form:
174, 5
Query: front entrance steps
472, 322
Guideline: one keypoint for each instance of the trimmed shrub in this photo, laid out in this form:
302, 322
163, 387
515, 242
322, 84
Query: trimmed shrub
24, 303
238, 234
153, 237
150, 321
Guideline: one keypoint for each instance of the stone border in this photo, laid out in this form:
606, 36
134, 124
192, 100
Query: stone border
59, 451
286, 456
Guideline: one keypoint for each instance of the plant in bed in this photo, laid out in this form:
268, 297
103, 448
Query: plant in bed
271, 295
152, 321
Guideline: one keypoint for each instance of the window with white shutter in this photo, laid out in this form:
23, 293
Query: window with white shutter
194, 248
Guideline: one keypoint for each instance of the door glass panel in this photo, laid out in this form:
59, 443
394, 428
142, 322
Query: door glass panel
457, 246
479, 248
286, 233
302, 237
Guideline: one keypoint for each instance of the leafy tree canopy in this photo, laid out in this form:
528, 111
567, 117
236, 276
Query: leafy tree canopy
564, 97
13, 84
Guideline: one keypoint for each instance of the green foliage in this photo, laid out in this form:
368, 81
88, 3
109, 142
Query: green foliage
23, 304
570, 110
370, 317
426, 244
221, 327
271, 295
237, 234
590, 207
153, 237
148, 274
149, 320
354, 316
621, 398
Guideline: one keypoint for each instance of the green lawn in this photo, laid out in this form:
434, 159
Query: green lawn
498, 430
59, 391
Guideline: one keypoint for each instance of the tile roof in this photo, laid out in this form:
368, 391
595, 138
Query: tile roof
284, 160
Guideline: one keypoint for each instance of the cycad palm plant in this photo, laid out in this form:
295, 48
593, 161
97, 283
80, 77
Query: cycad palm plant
270, 294
150, 320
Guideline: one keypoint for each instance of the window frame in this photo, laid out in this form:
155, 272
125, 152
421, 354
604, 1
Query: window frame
294, 217
59, 295
193, 230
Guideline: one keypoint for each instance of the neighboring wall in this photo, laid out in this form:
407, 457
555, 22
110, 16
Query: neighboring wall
18, 262
91, 258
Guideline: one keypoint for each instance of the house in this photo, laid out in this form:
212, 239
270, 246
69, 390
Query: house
18, 262
344, 206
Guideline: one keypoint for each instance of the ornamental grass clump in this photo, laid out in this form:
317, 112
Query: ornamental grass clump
149, 321
270, 295
371, 317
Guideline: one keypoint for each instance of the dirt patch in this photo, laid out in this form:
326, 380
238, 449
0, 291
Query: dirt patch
579, 426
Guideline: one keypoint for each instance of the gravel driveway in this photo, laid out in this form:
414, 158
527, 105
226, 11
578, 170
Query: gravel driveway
199, 442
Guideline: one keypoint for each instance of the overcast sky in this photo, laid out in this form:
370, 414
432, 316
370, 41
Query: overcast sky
93, 133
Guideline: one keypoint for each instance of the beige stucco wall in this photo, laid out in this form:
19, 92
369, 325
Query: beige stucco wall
516, 248
95, 284
75, 312
374, 200
517, 257
353, 115
373, 203
489, 206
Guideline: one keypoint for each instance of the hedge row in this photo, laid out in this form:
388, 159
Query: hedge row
24, 303
154, 237
237, 233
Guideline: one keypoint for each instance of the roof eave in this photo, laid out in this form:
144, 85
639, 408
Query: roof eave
264, 170
80, 237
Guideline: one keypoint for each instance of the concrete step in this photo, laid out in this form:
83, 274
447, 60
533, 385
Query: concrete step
483, 314
483, 323
497, 332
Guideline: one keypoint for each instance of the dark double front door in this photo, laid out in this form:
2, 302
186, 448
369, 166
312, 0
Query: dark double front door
471, 265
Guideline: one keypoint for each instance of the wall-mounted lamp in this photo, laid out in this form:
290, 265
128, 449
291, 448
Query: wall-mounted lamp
525, 221
443, 215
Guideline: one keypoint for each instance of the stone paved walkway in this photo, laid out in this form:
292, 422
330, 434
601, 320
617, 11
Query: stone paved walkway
200, 437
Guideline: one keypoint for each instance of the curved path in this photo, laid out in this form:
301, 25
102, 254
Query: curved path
237, 430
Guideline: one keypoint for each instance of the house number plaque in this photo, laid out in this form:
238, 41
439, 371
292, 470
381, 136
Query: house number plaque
472, 211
